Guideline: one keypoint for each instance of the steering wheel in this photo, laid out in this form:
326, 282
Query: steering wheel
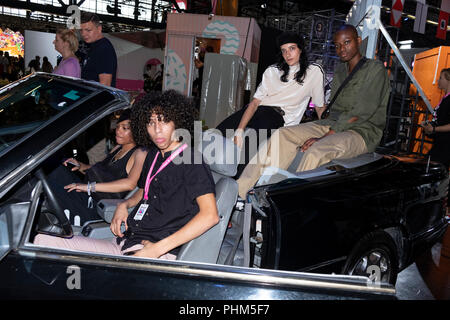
62, 227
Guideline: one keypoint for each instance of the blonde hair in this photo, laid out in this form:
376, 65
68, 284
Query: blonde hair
69, 36
446, 73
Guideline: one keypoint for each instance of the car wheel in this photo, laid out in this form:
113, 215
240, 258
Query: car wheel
374, 256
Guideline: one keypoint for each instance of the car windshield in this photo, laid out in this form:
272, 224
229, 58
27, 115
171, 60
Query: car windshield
27, 105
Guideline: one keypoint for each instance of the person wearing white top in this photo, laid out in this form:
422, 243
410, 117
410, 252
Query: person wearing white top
282, 96
291, 96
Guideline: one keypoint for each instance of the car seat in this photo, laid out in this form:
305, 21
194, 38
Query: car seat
221, 155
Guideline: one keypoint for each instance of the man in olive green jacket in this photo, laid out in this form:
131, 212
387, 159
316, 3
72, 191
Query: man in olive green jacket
354, 126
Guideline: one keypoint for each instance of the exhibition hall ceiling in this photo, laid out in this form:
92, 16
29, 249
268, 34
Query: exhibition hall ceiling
47, 15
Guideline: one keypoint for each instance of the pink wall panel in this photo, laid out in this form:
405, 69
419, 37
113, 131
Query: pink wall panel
239, 36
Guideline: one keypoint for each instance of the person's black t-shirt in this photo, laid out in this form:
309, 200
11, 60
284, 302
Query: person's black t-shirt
171, 199
101, 58
441, 146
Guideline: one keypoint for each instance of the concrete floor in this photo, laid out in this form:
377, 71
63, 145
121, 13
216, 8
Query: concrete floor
411, 286
429, 277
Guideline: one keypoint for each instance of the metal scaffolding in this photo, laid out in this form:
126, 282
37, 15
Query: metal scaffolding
317, 28
405, 105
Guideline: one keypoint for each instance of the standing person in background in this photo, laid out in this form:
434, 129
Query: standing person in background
46, 65
35, 64
440, 127
66, 43
4, 63
100, 64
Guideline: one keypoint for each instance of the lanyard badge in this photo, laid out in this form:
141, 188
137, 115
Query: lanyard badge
141, 211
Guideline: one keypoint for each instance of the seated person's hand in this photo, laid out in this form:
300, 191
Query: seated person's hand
120, 215
150, 250
78, 187
238, 138
319, 111
427, 127
308, 143
72, 162
238, 141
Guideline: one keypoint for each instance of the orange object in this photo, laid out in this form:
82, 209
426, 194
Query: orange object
227, 7
427, 68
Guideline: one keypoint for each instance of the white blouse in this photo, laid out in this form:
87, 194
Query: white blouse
291, 96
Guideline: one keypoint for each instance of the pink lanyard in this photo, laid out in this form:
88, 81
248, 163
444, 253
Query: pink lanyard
163, 165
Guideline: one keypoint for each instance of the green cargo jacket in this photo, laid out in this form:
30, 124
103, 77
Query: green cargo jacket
366, 96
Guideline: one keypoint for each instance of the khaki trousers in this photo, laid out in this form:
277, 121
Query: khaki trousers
282, 147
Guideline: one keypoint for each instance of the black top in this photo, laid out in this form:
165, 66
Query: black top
101, 58
441, 145
109, 170
172, 197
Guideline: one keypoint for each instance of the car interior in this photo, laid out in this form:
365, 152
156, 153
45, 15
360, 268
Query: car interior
49, 216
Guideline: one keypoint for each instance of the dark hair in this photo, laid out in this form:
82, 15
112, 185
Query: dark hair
86, 17
170, 104
124, 115
348, 27
283, 66
446, 73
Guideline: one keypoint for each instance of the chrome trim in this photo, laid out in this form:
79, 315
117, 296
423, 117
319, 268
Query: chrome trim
34, 202
220, 272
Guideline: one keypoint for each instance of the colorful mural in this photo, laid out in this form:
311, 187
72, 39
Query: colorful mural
11, 41
176, 71
222, 28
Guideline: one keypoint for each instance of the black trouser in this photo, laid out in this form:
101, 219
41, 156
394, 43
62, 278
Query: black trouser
75, 202
265, 117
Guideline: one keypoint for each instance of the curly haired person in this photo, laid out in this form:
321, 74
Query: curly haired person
175, 202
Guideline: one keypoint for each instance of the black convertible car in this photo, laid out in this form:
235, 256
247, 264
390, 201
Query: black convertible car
341, 231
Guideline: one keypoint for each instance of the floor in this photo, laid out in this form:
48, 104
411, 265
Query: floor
429, 277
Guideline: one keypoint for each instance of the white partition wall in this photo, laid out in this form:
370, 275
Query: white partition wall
40, 44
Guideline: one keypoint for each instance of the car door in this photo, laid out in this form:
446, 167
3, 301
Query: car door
32, 271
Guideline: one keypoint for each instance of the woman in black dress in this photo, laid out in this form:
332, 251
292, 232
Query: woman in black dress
112, 177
